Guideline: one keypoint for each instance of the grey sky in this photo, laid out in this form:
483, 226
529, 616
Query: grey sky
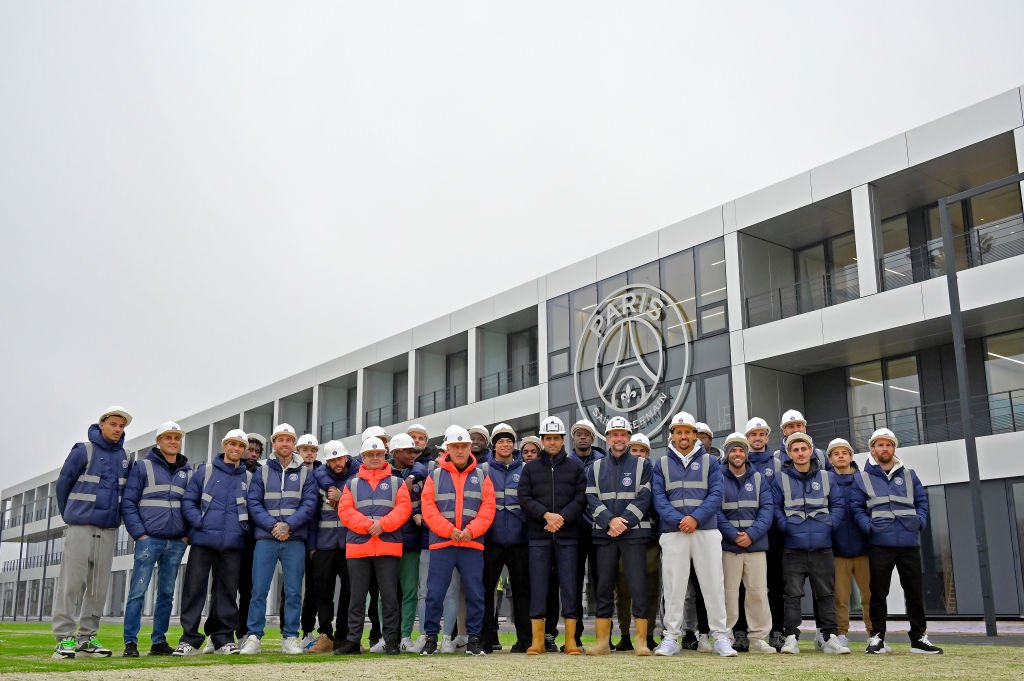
200, 198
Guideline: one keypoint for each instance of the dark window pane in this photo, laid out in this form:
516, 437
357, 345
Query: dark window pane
711, 261
558, 323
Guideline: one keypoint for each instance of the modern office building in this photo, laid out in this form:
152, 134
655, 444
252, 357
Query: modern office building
825, 292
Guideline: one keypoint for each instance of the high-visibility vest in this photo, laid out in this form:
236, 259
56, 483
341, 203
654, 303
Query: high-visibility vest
612, 492
802, 503
686, 486
741, 511
374, 503
445, 498
207, 497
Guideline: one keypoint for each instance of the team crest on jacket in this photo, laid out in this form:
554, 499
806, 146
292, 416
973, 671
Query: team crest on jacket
124, 463
181, 474
293, 477
898, 481
627, 481
473, 479
815, 485
384, 485
515, 477
748, 487
769, 472
694, 466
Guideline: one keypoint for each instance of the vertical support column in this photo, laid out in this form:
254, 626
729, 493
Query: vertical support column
314, 413
740, 410
241, 421
733, 279
277, 414
1018, 141
209, 443
413, 388
472, 368
360, 400
866, 226
542, 342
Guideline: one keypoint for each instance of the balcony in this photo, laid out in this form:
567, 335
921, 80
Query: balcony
510, 380
335, 430
440, 400
804, 296
386, 415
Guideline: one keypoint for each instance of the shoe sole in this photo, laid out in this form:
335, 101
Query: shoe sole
925, 652
58, 656
79, 654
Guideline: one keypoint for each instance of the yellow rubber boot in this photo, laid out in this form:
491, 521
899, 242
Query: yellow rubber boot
537, 647
641, 648
570, 637
603, 628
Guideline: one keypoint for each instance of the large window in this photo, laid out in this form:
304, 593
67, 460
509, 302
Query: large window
885, 393
1004, 374
937, 558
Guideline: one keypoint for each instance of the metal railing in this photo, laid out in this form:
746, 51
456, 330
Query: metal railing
985, 244
508, 381
991, 414
386, 415
335, 430
804, 296
440, 400
30, 562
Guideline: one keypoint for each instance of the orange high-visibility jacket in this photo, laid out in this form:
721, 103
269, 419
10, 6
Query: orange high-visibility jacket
440, 526
387, 544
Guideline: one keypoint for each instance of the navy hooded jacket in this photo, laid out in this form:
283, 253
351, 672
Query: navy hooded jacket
220, 523
159, 514
93, 496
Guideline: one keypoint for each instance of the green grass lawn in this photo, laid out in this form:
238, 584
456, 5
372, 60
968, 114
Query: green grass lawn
26, 648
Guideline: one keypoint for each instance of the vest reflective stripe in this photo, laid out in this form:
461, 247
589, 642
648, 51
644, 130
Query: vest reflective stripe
472, 496
377, 502
78, 496
740, 518
279, 509
168, 496
505, 498
889, 505
207, 498
620, 494
794, 506
89, 478
684, 484
86, 485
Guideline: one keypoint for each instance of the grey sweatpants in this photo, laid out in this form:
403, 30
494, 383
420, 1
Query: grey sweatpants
84, 578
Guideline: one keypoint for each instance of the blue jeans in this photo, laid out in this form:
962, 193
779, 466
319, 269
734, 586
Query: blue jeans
443, 563
451, 597
292, 555
164, 555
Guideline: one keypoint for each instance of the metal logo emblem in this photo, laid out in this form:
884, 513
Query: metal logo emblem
815, 485
627, 358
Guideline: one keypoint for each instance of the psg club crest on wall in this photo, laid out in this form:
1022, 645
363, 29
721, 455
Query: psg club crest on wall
624, 346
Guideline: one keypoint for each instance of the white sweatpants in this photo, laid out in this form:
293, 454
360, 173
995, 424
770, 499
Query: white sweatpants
704, 548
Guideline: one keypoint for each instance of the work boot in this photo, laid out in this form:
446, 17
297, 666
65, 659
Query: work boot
624, 645
603, 628
571, 647
537, 647
642, 650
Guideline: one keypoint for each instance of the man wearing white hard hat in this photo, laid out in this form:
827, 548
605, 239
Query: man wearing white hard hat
688, 496
890, 505
377, 432
308, 448
584, 434
409, 472
89, 499
425, 452
215, 508
282, 502
481, 443
707, 437
619, 496
251, 461
762, 460
152, 516
330, 569
794, 422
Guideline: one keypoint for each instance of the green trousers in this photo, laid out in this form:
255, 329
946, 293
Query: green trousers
409, 579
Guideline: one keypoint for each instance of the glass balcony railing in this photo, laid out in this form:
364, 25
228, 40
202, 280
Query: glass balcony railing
335, 430
386, 415
806, 295
510, 380
440, 400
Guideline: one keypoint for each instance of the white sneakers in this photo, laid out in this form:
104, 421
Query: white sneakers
461, 641
226, 649
844, 640
819, 640
291, 646
208, 648
447, 645
722, 648
308, 640
759, 645
704, 643
416, 646
378, 647
790, 647
668, 647
185, 650
251, 645
833, 646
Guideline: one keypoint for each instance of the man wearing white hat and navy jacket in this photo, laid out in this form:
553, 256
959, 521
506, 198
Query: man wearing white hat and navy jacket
308, 448
282, 502
89, 499
891, 506
584, 434
794, 422
214, 505
688, 497
251, 461
152, 516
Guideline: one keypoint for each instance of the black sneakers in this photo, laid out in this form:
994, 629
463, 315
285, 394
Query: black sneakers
550, 645
689, 641
876, 646
392, 648
131, 649
776, 640
624, 645
348, 648
430, 647
742, 643
474, 646
923, 646
162, 648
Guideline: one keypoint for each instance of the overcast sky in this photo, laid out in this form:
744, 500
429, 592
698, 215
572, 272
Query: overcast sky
198, 199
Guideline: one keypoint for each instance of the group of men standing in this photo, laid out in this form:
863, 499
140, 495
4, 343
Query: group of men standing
424, 534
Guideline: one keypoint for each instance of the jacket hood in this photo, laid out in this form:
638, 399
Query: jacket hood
697, 447
97, 439
220, 464
790, 468
156, 456
517, 460
375, 475
296, 462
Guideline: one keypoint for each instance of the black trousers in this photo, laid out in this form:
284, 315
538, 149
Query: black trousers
818, 566
517, 558
373, 609
360, 572
245, 586
329, 566
551, 621
907, 562
586, 563
222, 621
634, 566
541, 554
776, 585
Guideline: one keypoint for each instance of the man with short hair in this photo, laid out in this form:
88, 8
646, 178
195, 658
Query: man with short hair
458, 508
308, 448
552, 492
151, 507
282, 501
425, 452
762, 460
849, 544
584, 434
618, 496
688, 497
808, 503
410, 473
890, 505
794, 422
214, 505
253, 453
744, 520
707, 437
89, 499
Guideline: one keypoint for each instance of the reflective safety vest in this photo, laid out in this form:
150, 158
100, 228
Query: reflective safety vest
619, 501
374, 503
806, 501
82, 498
161, 495
445, 498
689, 490
285, 502
741, 512
892, 501
207, 498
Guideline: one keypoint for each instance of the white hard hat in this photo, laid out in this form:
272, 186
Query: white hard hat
456, 434
283, 429
799, 437
401, 441
552, 425
583, 424
640, 439
373, 444
503, 429
259, 438
235, 435
884, 434
481, 430
835, 444
169, 427
442, 447
116, 411
418, 428
705, 428
792, 416
682, 419
617, 423
733, 440
375, 431
307, 440
533, 440
334, 450
757, 423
